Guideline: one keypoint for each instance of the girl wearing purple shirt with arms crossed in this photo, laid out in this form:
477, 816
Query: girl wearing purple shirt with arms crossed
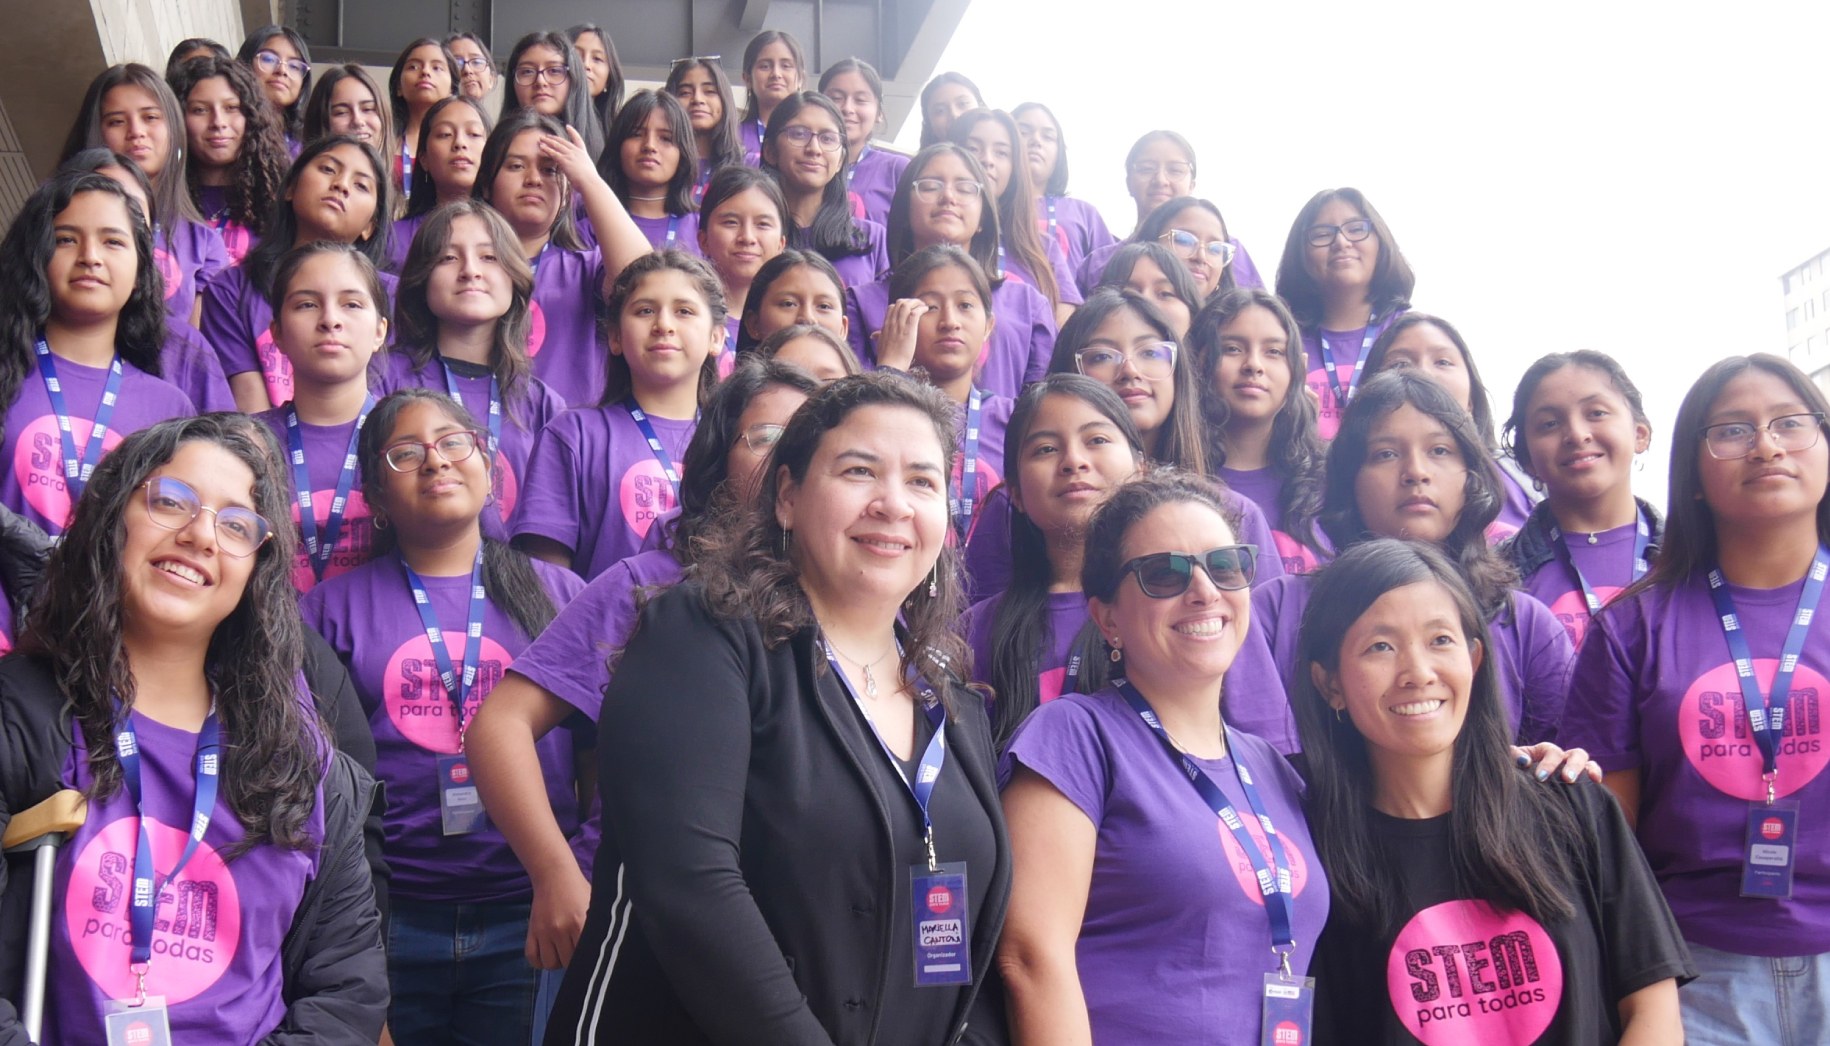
990, 135
705, 93
871, 171
805, 150
237, 155
1072, 224
774, 69
652, 163
427, 630
452, 138
1731, 815
1577, 426
742, 226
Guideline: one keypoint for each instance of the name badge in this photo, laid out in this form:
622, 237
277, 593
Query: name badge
943, 933
1767, 862
1289, 1003
142, 1025
459, 806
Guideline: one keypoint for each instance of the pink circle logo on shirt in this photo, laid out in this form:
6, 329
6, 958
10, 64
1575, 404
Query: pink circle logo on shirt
1498, 531
1287, 1034
196, 927
1713, 729
1573, 610
276, 369
415, 696
355, 542
507, 488
38, 463
536, 328
1463, 972
1298, 558
646, 494
168, 271
236, 241
857, 204
1242, 865
1049, 684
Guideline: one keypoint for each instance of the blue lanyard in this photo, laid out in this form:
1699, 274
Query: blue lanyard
1000, 273
1642, 540
78, 470
1767, 715
145, 887
859, 162
1334, 380
406, 167
1279, 898
533, 264
495, 406
319, 553
1050, 200
673, 229
927, 772
654, 444
969, 453
1070, 681
456, 688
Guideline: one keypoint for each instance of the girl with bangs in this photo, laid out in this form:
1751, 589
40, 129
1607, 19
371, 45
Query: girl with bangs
237, 162
743, 226
992, 138
651, 163
452, 137
805, 150
705, 93
1070, 223
425, 74
871, 171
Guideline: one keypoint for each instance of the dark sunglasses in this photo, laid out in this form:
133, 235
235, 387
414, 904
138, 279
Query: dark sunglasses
1166, 575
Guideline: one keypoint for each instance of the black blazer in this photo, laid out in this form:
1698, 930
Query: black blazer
741, 889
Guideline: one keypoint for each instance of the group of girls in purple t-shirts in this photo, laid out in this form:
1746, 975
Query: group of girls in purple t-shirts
520, 369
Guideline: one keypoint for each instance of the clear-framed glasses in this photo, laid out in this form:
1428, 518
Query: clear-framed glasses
1355, 230
1155, 361
798, 136
1166, 575
1733, 440
1176, 170
696, 58
525, 75
930, 189
173, 505
1187, 246
761, 439
270, 62
410, 455
478, 64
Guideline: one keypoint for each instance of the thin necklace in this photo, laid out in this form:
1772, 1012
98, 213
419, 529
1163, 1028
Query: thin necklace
650, 199
870, 681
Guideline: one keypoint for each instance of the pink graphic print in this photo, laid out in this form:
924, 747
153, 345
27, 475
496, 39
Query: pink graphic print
1241, 864
38, 462
1461, 972
415, 696
355, 542
646, 494
168, 271
1713, 730
276, 369
536, 330
1573, 610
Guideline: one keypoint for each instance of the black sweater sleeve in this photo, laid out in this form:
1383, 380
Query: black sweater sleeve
334, 693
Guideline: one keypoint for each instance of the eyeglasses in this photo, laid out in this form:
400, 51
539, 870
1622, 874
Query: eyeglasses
552, 74
1166, 575
1733, 440
476, 65
270, 62
1154, 361
1188, 247
761, 439
1355, 230
929, 189
410, 455
1175, 169
830, 141
173, 505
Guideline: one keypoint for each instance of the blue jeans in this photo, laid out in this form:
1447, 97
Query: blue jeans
459, 974
1742, 999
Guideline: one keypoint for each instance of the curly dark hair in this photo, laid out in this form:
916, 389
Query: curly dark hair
275, 749
705, 496
261, 164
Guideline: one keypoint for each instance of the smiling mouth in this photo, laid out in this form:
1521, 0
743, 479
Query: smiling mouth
887, 546
181, 570
1207, 627
1415, 708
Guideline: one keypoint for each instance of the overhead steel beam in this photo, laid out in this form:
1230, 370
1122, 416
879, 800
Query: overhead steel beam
751, 18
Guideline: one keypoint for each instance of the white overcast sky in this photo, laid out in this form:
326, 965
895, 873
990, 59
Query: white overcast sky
1625, 177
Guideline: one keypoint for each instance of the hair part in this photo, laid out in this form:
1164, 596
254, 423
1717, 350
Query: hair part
1179, 440
619, 380
774, 269
767, 348
1057, 184
170, 200
283, 224
563, 233
631, 122
724, 142
1016, 205
1480, 406
416, 328
579, 114
422, 194
292, 116
1602, 364
256, 177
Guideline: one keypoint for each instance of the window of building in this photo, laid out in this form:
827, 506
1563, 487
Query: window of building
1791, 319
1810, 308
1810, 347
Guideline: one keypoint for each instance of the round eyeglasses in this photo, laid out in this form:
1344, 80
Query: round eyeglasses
1187, 246
552, 74
410, 455
1734, 440
1155, 361
1355, 230
172, 504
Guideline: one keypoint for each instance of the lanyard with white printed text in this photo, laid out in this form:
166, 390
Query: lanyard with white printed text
1642, 540
146, 888
77, 470
457, 687
319, 552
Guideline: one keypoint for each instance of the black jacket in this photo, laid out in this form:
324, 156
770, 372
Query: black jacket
1530, 548
335, 980
715, 754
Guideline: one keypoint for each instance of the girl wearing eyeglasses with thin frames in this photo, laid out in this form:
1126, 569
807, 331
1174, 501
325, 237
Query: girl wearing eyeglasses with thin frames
805, 150
546, 75
281, 61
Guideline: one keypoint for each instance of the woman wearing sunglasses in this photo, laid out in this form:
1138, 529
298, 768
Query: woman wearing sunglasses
427, 629
160, 673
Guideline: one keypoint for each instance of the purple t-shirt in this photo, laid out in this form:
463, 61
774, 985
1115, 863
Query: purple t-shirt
871, 182
187, 256
1514, 510
594, 485
680, 230
369, 618
402, 239
237, 239
994, 418
1348, 348
326, 447
1075, 226
751, 131
1175, 942
1067, 614
1531, 655
1014, 269
33, 482
219, 927
1655, 689
1016, 354
872, 265
562, 337
1264, 488
1607, 562
190, 362
238, 322
1245, 273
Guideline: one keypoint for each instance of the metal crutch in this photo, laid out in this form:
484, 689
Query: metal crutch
42, 828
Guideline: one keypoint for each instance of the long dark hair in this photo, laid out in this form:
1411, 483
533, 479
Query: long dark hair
1179, 440
1512, 839
563, 233
773, 270
283, 224
1297, 453
171, 204
274, 756
294, 260
1174, 269
1016, 205
317, 110
767, 348
1689, 546
1058, 178
1511, 434
753, 50
422, 195
1490, 577
1479, 404
833, 232
604, 105
872, 79
397, 102
747, 573
705, 496
725, 140
906, 280
26, 300
508, 577
619, 383
1021, 618
984, 244
735, 179
259, 170
1392, 281
630, 121
1153, 227
578, 112
293, 116
928, 137
178, 54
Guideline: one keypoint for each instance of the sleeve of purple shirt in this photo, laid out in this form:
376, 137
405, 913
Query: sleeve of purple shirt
1602, 713
1544, 669
1040, 320
571, 658
1061, 742
988, 547
225, 323
1064, 276
212, 256
190, 362
551, 505
1245, 274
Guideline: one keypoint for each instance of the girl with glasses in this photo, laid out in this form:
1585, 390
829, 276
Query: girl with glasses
743, 225
1070, 223
1193, 230
651, 168
428, 628
476, 67
238, 155
1712, 775
871, 171
805, 149
1345, 281
794, 287
424, 74
546, 75
705, 93
451, 140
330, 319
991, 136
774, 70
281, 61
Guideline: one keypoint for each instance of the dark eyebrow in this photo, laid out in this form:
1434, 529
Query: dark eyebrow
105, 228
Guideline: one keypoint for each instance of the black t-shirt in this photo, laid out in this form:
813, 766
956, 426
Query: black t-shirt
1460, 971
